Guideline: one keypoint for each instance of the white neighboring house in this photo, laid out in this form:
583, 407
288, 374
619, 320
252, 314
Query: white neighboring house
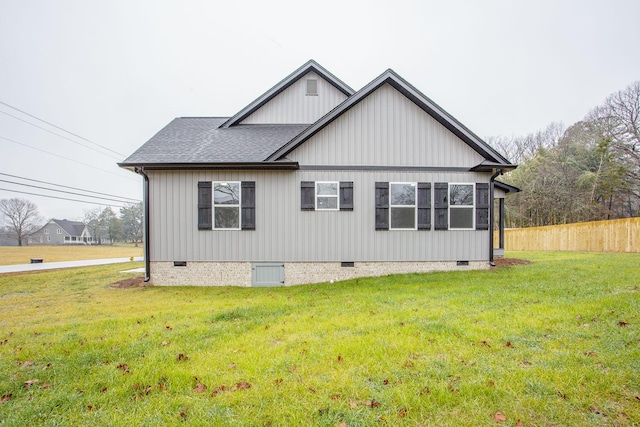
62, 232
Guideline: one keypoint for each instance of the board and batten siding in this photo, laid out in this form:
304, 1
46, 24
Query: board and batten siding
285, 233
386, 128
294, 106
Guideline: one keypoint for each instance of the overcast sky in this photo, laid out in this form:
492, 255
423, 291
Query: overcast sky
115, 72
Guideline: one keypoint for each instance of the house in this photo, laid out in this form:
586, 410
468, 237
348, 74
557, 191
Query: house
6, 237
62, 232
312, 182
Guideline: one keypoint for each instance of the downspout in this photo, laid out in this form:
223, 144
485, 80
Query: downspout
145, 233
491, 215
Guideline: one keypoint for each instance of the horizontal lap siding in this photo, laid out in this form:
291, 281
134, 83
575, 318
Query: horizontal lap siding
284, 233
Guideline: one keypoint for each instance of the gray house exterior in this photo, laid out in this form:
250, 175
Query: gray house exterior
314, 182
62, 232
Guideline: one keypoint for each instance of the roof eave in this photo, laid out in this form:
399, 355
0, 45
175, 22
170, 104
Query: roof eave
493, 166
506, 187
212, 166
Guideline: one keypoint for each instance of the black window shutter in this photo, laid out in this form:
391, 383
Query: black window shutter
346, 195
248, 205
308, 195
382, 205
424, 206
441, 205
482, 206
205, 215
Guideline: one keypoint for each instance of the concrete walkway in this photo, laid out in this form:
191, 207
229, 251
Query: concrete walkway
64, 264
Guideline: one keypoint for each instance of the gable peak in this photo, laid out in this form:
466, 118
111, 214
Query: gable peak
310, 65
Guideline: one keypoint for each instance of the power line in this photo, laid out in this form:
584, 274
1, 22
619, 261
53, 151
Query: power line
62, 191
62, 198
61, 136
66, 158
64, 130
72, 188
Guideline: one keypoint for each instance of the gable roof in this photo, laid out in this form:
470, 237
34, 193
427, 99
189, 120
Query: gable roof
422, 101
221, 142
311, 65
73, 228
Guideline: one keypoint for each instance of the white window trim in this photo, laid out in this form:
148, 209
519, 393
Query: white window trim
213, 204
472, 206
59, 231
337, 196
46, 231
415, 206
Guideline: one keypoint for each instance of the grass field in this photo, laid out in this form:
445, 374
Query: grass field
553, 343
21, 255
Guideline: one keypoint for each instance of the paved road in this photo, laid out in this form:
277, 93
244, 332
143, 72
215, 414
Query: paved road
64, 264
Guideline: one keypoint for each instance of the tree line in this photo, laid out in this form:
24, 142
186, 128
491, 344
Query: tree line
589, 171
20, 219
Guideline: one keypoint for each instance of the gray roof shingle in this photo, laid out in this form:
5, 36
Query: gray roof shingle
74, 228
201, 140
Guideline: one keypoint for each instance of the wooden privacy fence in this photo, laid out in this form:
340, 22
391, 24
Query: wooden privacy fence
618, 235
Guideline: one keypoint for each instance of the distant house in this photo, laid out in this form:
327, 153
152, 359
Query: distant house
6, 238
313, 182
62, 232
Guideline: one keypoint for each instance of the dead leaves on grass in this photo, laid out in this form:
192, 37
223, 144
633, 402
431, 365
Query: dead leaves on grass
200, 388
242, 385
29, 383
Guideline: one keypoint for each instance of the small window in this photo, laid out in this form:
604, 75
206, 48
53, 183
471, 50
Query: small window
461, 207
226, 205
48, 238
59, 231
312, 87
327, 196
46, 231
402, 203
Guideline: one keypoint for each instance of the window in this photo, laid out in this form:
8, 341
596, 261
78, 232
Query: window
402, 203
312, 87
59, 231
461, 206
327, 196
226, 205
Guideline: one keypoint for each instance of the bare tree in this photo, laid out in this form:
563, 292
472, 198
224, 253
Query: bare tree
619, 119
521, 148
21, 217
94, 221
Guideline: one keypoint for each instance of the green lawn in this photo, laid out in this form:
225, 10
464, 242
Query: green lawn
554, 343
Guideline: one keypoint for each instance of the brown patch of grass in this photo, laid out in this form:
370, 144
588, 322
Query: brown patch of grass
509, 262
132, 282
